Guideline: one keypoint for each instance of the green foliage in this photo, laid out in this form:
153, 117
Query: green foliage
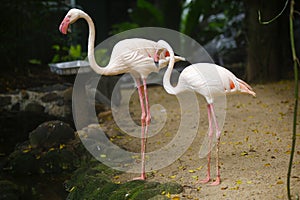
204, 19
200, 19
145, 14
30, 29
154, 12
118, 28
64, 53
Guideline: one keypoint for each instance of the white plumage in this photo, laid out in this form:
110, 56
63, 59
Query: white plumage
136, 56
209, 80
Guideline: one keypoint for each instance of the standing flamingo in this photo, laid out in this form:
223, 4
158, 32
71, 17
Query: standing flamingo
194, 78
136, 56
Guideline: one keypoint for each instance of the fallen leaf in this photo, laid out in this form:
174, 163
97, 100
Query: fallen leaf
168, 195
172, 177
72, 189
175, 198
267, 165
224, 188
61, 146
26, 150
182, 167
279, 182
234, 188
51, 149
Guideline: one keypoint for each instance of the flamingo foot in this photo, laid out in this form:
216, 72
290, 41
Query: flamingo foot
206, 180
216, 182
142, 177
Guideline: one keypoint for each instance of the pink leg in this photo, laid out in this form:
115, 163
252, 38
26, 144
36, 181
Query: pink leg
210, 141
143, 122
218, 134
148, 115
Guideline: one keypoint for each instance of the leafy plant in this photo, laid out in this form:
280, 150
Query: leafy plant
145, 14
63, 54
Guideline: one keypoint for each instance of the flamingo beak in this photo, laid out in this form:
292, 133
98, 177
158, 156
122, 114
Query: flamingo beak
64, 26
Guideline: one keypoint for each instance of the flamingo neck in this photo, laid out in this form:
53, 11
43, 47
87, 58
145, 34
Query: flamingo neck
167, 77
91, 42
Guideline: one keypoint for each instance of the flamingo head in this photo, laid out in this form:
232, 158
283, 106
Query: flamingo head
72, 16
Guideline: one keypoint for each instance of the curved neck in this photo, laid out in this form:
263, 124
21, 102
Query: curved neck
91, 42
167, 77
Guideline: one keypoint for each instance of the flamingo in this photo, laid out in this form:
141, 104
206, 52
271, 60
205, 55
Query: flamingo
136, 56
194, 78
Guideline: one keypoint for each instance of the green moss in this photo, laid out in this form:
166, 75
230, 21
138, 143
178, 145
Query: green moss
171, 187
8, 190
24, 163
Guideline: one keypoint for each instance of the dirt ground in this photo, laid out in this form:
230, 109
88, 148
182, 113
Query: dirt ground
254, 149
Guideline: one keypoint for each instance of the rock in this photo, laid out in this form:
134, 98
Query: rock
15, 127
68, 94
34, 107
50, 88
28, 161
94, 182
24, 94
23, 163
58, 160
5, 101
50, 97
15, 107
171, 187
52, 133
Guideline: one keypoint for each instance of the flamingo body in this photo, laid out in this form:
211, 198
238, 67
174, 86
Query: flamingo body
210, 81
136, 56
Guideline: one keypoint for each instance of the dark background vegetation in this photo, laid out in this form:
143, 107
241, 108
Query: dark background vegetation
30, 37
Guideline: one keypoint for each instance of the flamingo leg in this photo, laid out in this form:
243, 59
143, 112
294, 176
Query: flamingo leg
147, 123
218, 134
210, 134
143, 138
148, 115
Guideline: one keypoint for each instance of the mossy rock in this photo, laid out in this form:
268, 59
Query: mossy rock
145, 193
58, 160
94, 182
91, 182
9, 190
159, 197
23, 163
128, 190
89, 189
171, 187
52, 133
105, 191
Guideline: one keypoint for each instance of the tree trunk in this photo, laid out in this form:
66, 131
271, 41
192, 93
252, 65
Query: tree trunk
268, 45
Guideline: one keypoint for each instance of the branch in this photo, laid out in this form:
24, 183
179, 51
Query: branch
270, 21
296, 63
